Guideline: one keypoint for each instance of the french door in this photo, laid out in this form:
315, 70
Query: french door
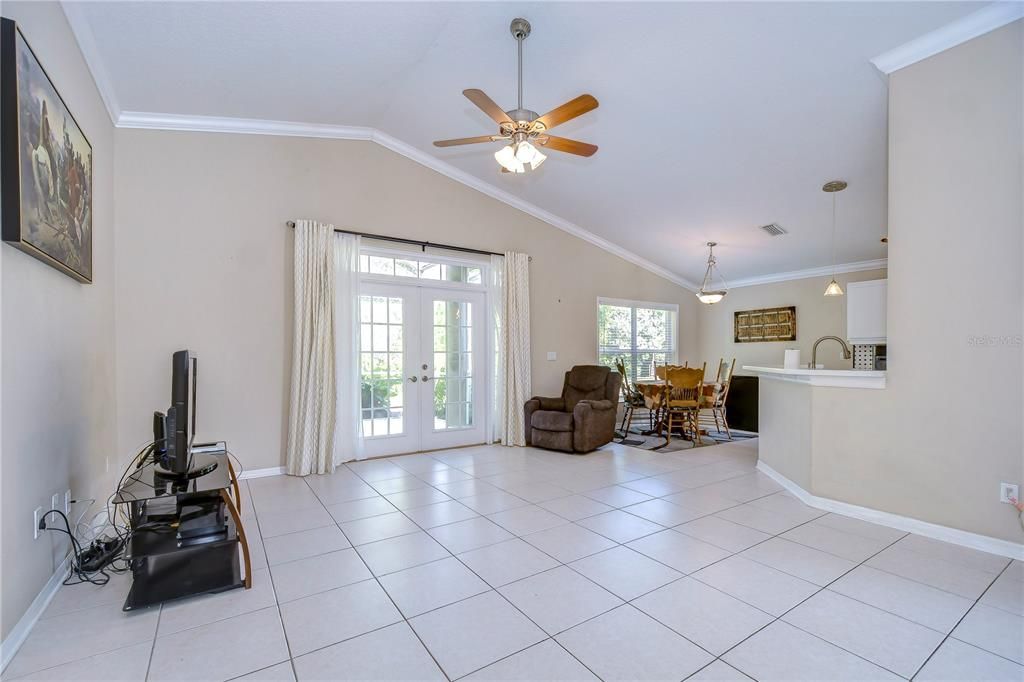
423, 368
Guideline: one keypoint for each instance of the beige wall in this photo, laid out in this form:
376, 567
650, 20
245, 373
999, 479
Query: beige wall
816, 316
58, 346
935, 444
204, 261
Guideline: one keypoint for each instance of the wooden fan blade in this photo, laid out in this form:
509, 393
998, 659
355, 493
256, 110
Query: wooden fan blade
564, 144
567, 112
464, 140
487, 105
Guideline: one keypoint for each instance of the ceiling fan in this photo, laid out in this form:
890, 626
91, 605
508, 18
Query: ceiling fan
523, 129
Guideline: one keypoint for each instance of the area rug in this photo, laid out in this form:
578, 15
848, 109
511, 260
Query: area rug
636, 439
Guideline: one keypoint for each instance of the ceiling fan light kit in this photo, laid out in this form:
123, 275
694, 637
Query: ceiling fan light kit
708, 294
833, 187
523, 131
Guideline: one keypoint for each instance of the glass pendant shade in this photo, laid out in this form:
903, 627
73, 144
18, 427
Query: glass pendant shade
833, 187
519, 157
506, 156
833, 288
525, 152
708, 294
538, 159
710, 297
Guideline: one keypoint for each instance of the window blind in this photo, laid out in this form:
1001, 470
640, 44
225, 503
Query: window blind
643, 334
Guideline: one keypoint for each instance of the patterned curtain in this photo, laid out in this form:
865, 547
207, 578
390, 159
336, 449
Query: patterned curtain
515, 345
312, 409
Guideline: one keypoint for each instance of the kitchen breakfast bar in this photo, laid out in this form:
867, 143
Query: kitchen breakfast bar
803, 414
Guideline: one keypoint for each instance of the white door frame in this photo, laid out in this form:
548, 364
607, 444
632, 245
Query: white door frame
409, 289
438, 439
408, 440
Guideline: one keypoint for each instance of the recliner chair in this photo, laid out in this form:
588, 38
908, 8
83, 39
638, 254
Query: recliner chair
583, 418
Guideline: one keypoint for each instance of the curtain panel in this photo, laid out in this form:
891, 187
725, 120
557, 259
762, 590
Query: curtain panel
348, 437
496, 366
313, 402
515, 346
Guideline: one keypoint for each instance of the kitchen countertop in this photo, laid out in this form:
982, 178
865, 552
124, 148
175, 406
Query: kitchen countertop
840, 378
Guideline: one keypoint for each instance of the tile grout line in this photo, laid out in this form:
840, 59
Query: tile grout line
511, 477
802, 601
560, 564
273, 588
496, 591
391, 599
617, 544
156, 634
960, 620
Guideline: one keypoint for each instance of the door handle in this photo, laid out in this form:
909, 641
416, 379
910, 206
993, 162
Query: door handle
413, 379
426, 378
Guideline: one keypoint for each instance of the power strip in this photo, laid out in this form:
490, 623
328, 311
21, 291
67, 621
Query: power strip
100, 553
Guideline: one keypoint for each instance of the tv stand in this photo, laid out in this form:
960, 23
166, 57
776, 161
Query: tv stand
195, 471
186, 532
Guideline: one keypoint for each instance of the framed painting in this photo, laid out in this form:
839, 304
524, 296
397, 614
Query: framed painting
765, 324
45, 164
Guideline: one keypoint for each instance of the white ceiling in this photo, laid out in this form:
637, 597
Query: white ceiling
715, 118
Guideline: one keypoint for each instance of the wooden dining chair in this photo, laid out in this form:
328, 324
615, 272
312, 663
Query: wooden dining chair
632, 399
682, 406
654, 396
712, 406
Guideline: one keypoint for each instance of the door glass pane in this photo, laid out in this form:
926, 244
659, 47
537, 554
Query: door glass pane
453, 364
381, 365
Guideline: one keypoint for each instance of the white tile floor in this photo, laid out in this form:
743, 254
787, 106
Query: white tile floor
518, 564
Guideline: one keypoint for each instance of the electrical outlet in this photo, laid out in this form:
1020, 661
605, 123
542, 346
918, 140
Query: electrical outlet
67, 502
552, 355
1008, 490
36, 516
55, 502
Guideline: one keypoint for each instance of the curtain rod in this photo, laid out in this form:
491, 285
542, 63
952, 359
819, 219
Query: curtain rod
401, 240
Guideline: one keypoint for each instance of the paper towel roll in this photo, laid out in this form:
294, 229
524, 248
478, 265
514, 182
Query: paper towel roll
792, 360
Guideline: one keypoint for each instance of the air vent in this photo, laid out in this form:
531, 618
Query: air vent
774, 229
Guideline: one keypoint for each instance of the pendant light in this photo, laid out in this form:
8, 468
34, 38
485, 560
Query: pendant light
707, 293
833, 187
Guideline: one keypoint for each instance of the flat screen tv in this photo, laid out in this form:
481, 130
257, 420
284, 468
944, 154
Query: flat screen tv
179, 424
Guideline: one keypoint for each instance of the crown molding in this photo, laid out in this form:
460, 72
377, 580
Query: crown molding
142, 120
960, 31
218, 124
74, 12
858, 266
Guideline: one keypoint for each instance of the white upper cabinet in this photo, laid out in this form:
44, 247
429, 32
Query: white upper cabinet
865, 311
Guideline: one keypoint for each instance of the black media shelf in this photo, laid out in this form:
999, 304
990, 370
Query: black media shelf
166, 577
186, 534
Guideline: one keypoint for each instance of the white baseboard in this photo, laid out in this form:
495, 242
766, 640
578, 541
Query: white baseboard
261, 473
963, 538
21, 630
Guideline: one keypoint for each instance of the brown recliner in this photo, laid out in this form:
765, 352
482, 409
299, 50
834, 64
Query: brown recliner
583, 418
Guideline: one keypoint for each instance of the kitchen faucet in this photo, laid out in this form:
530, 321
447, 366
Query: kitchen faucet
847, 353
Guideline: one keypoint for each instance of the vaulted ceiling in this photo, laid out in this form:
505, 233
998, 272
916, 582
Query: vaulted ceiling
715, 118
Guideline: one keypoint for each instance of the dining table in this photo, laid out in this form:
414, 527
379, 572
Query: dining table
655, 393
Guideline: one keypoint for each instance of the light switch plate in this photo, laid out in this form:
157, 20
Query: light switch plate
552, 355
1008, 490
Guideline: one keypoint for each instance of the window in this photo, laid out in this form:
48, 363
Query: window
419, 268
642, 334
